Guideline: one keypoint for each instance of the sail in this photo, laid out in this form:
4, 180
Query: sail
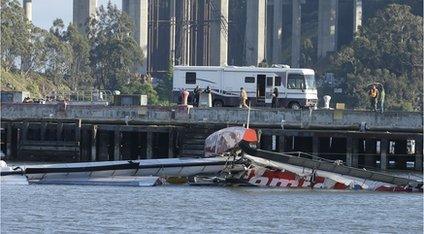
226, 139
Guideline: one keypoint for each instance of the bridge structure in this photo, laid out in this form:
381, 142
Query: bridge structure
233, 32
57, 132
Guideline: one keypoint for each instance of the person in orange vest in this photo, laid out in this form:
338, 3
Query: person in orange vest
373, 93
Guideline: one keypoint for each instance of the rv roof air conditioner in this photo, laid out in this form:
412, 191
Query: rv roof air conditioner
281, 65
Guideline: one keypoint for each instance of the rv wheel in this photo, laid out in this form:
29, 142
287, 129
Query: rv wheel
294, 106
217, 103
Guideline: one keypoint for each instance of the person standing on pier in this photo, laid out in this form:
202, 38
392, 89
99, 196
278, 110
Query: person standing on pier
196, 95
243, 98
373, 93
274, 103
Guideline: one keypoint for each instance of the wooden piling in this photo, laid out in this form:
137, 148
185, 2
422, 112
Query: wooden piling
25, 131
9, 140
103, 152
171, 143
59, 131
281, 143
352, 152
149, 147
117, 144
43, 129
140, 149
93, 156
78, 125
384, 144
370, 152
418, 154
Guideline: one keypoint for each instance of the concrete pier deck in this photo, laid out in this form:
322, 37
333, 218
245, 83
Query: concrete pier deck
336, 119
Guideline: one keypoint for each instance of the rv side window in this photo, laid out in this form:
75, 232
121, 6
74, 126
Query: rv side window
249, 79
269, 81
295, 81
190, 77
277, 81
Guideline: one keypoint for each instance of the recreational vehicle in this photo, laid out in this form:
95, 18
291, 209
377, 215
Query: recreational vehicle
296, 87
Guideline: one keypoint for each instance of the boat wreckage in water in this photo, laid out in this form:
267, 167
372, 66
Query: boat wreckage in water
231, 158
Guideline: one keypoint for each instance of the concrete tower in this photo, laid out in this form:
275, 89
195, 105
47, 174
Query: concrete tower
255, 32
277, 35
83, 10
172, 31
138, 12
296, 32
357, 15
327, 27
186, 58
219, 33
27, 6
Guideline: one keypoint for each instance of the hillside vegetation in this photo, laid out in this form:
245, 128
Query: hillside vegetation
63, 58
39, 86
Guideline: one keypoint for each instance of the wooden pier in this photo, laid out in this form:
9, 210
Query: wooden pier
74, 134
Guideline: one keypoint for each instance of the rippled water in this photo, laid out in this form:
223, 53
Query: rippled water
80, 209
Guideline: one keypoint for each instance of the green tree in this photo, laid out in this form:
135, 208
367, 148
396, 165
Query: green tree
164, 88
308, 53
114, 53
15, 34
58, 29
141, 85
35, 55
58, 52
388, 50
79, 73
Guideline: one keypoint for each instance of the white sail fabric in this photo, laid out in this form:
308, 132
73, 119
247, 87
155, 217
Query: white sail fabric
223, 140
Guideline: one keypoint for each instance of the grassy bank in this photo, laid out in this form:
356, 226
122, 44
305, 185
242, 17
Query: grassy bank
39, 86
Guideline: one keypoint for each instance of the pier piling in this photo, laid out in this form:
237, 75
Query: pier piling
418, 154
117, 144
149, 141
383, 154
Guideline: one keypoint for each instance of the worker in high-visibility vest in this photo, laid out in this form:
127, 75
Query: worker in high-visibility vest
373, 93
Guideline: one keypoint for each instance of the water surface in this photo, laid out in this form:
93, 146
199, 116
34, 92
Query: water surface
176, 209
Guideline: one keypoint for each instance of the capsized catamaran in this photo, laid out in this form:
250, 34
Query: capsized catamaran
231, 157
268, 168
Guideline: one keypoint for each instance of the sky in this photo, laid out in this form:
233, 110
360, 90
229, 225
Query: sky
45, 11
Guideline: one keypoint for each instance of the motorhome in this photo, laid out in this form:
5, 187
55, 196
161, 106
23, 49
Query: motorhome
296, 86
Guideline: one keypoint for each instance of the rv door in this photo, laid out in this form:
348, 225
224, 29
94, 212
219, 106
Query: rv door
269, 88
260, 88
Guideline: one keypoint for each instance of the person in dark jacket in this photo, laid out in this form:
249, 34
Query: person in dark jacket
274, 103
196, 94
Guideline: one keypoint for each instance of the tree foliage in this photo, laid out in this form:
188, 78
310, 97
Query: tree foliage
58, 52
15, 34
106, 58
114, 53
141, 85
387, 50
164, 88
79, 72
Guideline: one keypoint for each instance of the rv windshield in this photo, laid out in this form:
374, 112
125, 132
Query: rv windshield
310, 82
